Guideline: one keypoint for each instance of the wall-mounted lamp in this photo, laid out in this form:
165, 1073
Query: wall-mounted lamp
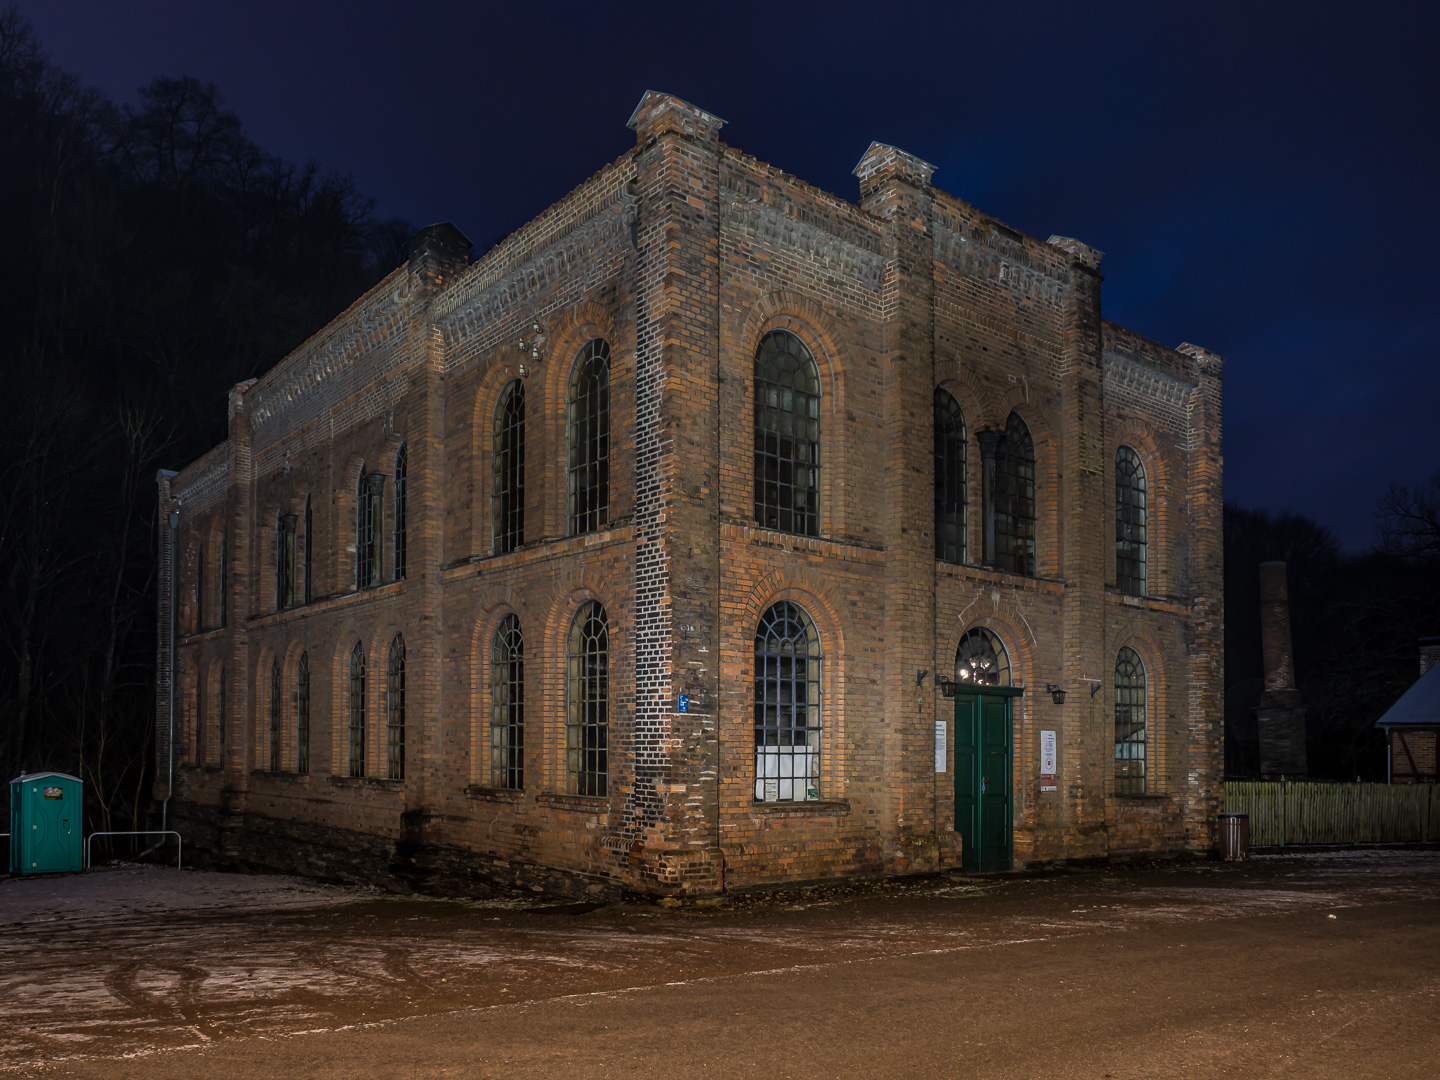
533, 349
947, 686
1057, 695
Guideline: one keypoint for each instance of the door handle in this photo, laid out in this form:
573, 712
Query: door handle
982, 785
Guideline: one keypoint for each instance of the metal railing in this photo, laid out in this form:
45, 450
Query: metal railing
179, 843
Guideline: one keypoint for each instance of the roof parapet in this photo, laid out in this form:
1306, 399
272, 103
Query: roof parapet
883, 162
659, 112
1084, 253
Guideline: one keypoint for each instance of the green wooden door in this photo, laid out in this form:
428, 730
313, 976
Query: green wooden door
983, 804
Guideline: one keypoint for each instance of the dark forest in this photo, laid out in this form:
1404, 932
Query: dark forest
152, 256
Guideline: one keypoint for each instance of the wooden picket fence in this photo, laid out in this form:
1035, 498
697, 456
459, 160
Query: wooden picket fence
1300, 812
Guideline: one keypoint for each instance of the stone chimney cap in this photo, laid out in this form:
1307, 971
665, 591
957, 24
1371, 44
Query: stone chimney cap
443, 240
883, 161
659, 112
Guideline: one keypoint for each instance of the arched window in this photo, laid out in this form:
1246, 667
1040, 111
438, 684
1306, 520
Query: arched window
357, 710
981, 659
395, 710
950, 501
402, 471
1015, 499
309, 564
285, 561
275, 743
200, 721
1129, 723
368, 491
587, 718
589, 438
507, 706
507, 470
1130, 555
224, 576
787, 705
302, 714
200, 587
787, 435
220, 719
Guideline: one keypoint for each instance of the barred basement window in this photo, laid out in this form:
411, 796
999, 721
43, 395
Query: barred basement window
368, 516
787, 705
395, 710
309, 549
285, 562
587, 719
507, 470
787, 435
357, 710
302, 714
950, 501
507, 706
1129, 723
1130, 537
589, 439
275, 715
1015, 499
402, 470
981, 659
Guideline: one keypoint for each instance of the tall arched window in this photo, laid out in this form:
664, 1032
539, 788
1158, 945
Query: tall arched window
1129, 723
950, 501
224, 577
200, 587
201, 720
368, 491
220, 719
1130, 538
981, 659
357, 710
587, 718
1015, 499
507, 706
275, 742
302, 714
395, 710
309, 565
507, 470
589, 439
285, 561
787, 435
402, 481
787, 705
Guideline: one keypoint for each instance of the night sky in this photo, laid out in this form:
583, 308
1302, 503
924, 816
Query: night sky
1262, 177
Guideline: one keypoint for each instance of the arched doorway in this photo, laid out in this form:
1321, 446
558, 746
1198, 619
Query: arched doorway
984, 747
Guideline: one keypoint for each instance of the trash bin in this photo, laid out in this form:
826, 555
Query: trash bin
1234, 836
45, 823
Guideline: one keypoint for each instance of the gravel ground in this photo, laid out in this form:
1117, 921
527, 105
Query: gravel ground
157, 972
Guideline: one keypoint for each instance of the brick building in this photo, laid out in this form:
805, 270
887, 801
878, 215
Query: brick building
641, 553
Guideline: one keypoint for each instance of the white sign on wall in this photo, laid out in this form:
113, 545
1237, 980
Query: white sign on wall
939, 745
1047, 761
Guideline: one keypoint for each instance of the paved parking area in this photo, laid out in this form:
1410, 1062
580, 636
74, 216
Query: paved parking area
1317, 964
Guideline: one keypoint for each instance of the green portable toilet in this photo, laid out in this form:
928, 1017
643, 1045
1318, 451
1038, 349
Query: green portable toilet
45, 823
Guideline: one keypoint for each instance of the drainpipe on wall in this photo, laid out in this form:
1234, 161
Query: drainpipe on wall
170, 741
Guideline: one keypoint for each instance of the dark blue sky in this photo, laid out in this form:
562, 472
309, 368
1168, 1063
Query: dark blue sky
1261, 176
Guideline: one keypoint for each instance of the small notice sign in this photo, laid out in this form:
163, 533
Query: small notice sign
683, 704
54, 793
940, 746
1047, 761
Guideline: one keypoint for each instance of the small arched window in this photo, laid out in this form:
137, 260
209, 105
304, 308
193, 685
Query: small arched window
589, 439
787, 705
357, 710
1129, 723
395, 710
401, 485
950, 491
1015, 499
507, 706
787, 435
1130, 536
275, 740
981, 659
587, 718
507, 470
302, 714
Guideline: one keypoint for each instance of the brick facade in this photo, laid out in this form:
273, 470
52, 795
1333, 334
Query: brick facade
681, 255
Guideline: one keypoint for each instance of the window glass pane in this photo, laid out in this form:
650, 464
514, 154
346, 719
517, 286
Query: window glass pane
357, 710
507, 468
950, 502
1129, 723
1015, 499
402, 480
587, 720
1130, 537
395, 711
589, 439
787, 435
981, 659
507, 706
302, 715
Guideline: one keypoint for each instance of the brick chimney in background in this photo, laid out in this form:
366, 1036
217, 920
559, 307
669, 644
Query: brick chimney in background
1429, 653
1280, 716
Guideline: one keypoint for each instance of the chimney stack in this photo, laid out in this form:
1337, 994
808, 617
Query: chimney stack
1280, 716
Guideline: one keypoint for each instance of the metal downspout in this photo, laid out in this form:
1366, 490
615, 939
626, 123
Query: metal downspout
170, 740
